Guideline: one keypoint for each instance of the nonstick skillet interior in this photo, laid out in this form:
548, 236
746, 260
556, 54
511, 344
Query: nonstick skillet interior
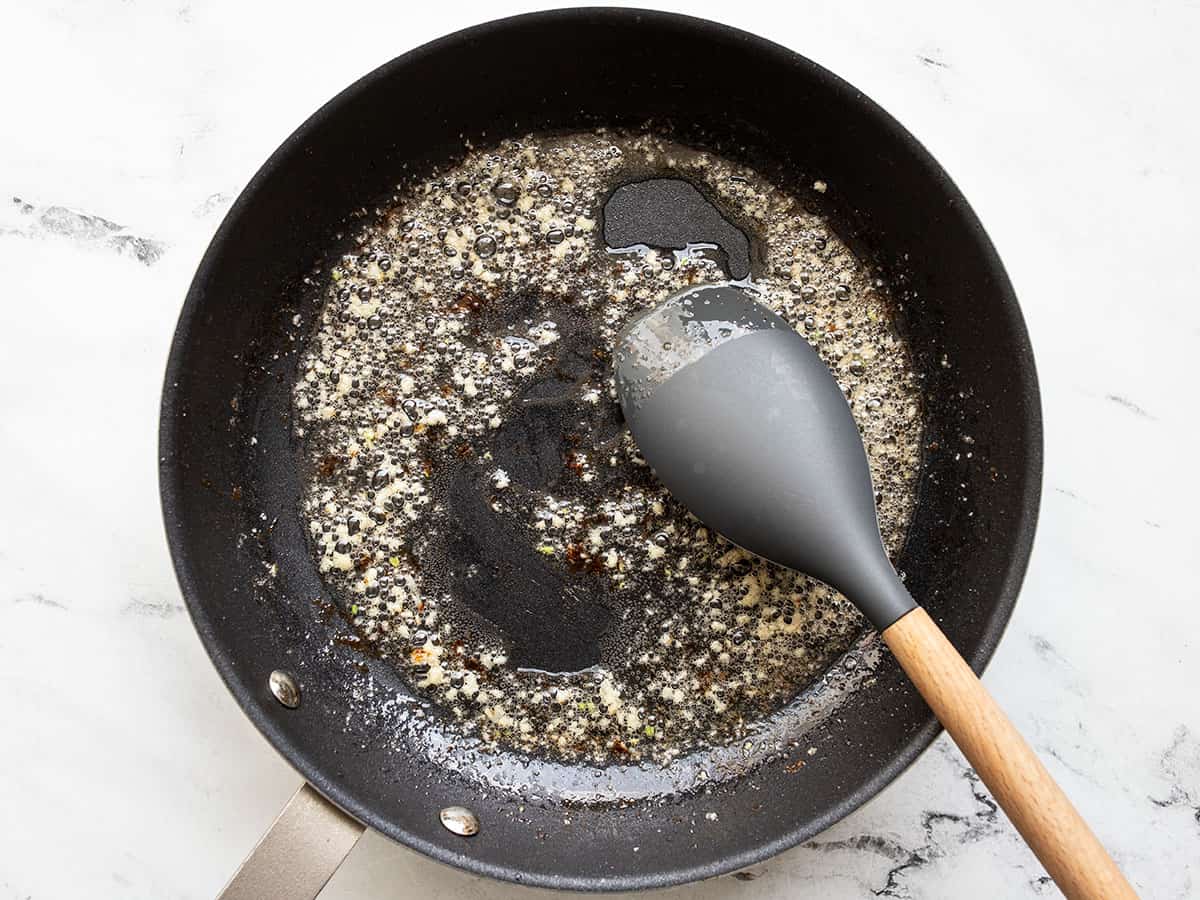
231, 504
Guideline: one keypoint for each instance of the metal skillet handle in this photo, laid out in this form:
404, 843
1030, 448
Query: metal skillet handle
1035, 804
299, 852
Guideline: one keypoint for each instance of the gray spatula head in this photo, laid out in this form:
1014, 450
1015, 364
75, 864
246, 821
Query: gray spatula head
744, 424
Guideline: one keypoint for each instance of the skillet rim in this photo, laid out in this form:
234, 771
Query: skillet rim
996, 619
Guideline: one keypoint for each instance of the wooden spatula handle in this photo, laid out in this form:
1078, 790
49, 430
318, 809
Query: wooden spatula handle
1056, 833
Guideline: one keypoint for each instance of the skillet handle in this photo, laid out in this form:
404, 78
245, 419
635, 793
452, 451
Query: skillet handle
299, 852
1037, 806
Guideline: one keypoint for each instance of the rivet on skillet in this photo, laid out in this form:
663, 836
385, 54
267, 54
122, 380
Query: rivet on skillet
460, 820
285, 688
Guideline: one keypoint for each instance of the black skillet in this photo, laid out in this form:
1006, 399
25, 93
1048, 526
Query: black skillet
230, 502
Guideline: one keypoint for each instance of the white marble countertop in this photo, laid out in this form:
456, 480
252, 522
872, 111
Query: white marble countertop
128, 771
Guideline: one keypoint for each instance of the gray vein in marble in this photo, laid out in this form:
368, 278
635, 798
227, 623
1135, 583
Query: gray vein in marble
83, 228
932, 62
1045, 649
39, 599
1179, 764
1128, 404
871, 843
984, 823
217, 202
1046, 749
152, 607
1074, 496
1069, 677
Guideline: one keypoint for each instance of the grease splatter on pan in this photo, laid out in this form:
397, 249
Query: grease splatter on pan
474, 501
